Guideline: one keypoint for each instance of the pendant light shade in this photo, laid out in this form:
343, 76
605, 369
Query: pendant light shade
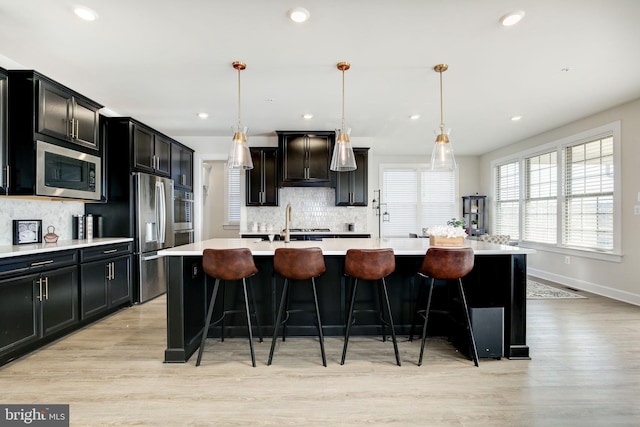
343, 159
239, 155
442, 157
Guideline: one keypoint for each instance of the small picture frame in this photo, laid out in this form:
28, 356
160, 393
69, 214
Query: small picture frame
27, 231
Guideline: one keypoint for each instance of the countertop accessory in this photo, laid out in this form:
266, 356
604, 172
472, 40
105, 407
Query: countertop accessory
27, 231
343, 159
51, 236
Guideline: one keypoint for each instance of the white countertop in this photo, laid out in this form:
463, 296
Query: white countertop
304, 233
401, 246
61, 245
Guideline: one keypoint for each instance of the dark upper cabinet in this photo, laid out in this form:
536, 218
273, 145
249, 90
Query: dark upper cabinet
41, 108
151, 151
352, 187
182, 166
4, 148
305, 158
262, 180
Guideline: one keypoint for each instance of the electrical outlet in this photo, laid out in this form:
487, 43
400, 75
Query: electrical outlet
567, 259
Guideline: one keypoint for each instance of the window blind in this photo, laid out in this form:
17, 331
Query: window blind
541, 204
507, 200
233, 196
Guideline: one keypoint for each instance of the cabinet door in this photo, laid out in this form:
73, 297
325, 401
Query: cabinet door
54, 112
120, 281
86, 123
181, 167
352, 187
4, 146
18, 313
254, 178
319, 158
162, 152
270, 177
59, 300
186, 161
93, 288
295, 158
143, 151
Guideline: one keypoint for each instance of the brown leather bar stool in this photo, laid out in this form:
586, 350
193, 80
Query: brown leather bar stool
447, 264
229, 265
295, 264
370, 265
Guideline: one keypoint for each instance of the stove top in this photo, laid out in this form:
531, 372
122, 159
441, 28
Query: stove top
308, 230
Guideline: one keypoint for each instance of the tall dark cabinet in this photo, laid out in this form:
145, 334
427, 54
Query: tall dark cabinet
262, 180
4, 146
352, 187
151, 152
306, 158
182, 166
474, 212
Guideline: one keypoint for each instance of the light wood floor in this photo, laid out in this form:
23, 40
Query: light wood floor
585, 371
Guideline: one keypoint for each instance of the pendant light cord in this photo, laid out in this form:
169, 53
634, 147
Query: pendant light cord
343, 100
441, 108
239, 121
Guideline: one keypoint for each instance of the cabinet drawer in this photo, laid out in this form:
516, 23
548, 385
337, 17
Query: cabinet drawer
36, 263
106, 251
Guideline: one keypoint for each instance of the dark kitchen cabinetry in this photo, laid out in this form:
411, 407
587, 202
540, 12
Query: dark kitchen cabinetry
306, 158
42, 106
352, 187
4, 153
38, 301
105, 280
262, 180
151, 151
182, 166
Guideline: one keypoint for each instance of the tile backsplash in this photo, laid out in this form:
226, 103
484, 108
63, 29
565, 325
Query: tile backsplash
55, 213
311, 208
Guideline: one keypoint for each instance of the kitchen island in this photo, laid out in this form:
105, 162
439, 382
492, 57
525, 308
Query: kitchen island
498, 279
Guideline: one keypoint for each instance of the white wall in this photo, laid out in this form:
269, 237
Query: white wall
620, 280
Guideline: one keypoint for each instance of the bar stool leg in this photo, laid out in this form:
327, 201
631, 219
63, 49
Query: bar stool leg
205, 331
320, 334
349, 318
426, 319
393, 332
472, 340
278, 319
255, 311
248, 313
380, 309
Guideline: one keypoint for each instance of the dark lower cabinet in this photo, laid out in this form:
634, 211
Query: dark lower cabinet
36, 306
105, 283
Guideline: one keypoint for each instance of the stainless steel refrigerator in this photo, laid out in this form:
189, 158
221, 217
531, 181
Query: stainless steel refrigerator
154, 231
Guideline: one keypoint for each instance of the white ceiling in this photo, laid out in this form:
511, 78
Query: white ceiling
162, 62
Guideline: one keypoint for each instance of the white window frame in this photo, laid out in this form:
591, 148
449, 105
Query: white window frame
611, 129
417, 168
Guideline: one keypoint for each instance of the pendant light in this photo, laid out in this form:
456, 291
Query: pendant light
239, 155
343, 159
442, 156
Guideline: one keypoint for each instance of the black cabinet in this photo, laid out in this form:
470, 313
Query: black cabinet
4, 154
38, 300
41, 108
105, 281
262, 180
306, 158
151, 152
182, 166
352, 187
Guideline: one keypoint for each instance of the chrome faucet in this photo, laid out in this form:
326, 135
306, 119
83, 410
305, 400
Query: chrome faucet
287, 223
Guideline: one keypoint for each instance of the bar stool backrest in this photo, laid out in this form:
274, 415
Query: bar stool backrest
369, 264
447, 263
228, 264
299, 263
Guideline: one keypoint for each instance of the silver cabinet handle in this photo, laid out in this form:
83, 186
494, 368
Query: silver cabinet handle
46, 288
39, 297
110, 251
39, 263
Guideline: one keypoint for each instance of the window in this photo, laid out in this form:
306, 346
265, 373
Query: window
233, 196
567, 194
416, 197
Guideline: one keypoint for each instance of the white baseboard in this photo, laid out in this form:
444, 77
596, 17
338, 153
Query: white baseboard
594, 288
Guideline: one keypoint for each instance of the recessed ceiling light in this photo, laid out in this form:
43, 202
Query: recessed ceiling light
307, 116
565, 69
203, 115
299, 14
414, 116
85, 13
512, 18
516, 118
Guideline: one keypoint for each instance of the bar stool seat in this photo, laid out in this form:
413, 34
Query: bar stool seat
448, 264
297, 264
371, 265
225, 265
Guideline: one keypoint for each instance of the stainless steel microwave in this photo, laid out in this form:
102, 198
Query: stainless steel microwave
61, 172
